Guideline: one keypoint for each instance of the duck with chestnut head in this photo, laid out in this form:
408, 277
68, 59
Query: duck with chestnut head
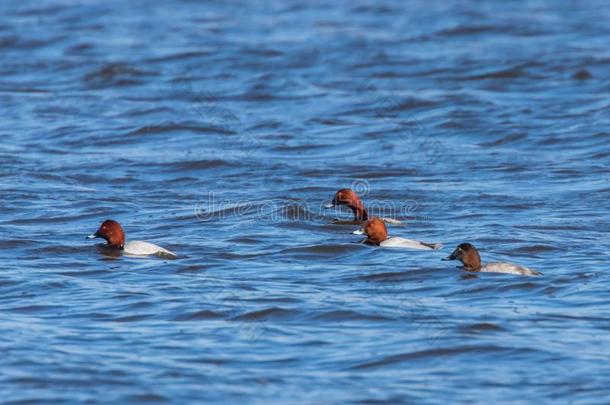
377, 234
348, 197
112, 232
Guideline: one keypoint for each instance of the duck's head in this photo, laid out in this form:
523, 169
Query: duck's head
467, 254
375, 230
348, 197
112, 232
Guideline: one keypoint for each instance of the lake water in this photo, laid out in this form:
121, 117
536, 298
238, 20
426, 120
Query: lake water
219, 129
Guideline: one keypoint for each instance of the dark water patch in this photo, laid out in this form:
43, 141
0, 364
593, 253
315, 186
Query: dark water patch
481, 328
9, 88
36, 309
185, 166
582, 74
80, 48
390, 277
8, 41
320, 251
148, 111
203, 314
331, 122
576, 318
148, 398
534, 249
41, 11
345, 315
274, 313
193, 269
518, 71
8, 283
180, 56
544, 227
602, 155
245, 240
129, 318
18, 243
92, 273
441, 353
116, 74
519, 286
178, 127
505, 140
469, 30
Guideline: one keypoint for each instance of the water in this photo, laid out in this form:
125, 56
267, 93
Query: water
218, 131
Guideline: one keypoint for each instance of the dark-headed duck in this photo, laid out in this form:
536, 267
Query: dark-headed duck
349, 198
470, 258
377, 234
112, 232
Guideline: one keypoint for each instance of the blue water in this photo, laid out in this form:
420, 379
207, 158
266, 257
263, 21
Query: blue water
218, 130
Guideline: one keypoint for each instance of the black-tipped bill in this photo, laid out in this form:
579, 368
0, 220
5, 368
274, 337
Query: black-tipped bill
452, 256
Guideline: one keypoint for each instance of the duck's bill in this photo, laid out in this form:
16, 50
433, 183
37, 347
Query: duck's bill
358, 232
93, 236
331, 205
452, 256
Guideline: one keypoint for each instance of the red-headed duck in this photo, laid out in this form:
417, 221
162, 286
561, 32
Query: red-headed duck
377, 234
469, 256
348, 197
113, 233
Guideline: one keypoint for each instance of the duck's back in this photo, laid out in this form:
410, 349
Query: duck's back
142, 248
409, 244
509, 268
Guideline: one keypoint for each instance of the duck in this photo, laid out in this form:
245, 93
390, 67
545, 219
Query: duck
113, 233
349, 198
377, 234
470, 258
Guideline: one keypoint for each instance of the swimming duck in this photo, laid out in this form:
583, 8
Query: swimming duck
349, 198
470, 258
377, 234
112, 232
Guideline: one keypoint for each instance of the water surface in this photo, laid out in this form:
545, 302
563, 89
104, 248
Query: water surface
218, 130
